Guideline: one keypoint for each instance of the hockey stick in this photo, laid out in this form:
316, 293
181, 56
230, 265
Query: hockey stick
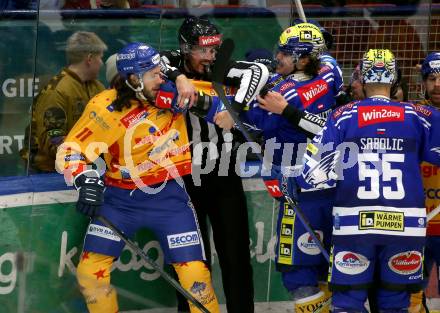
153, 264
433, 213
218, 73
300, 10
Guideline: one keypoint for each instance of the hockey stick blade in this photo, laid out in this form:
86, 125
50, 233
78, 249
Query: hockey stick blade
221, 61
153, 264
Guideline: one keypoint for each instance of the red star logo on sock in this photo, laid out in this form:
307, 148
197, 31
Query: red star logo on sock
99, 274
85, 255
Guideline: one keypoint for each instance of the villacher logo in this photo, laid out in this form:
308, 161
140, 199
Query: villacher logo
406, 263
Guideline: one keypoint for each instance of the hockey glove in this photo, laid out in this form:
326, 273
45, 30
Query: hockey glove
91, 189
167, 98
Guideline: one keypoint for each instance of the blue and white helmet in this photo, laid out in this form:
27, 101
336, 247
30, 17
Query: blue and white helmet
431, 64
136, 58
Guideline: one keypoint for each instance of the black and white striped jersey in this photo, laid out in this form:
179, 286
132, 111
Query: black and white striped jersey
247, 77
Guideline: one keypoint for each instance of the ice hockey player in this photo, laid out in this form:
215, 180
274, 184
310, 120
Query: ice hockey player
146, 151
307, 83
372, 149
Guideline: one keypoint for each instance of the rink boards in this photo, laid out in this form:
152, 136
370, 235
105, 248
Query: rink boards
41, 240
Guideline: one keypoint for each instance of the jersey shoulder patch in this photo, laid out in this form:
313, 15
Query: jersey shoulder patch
346, 107
422, 109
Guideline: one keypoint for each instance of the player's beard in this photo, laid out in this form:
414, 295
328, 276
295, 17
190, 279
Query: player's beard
151, 97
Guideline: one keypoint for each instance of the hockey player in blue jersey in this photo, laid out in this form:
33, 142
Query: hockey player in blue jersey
379, 219
309, 83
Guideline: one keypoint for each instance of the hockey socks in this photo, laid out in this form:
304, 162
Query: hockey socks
317, 303
415, 303
195, 277
93, 274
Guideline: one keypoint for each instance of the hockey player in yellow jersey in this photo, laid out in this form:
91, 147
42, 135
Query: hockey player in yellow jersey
146, 151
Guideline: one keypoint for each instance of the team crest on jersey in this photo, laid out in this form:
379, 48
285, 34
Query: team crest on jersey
323, 171
369, 115
311, 92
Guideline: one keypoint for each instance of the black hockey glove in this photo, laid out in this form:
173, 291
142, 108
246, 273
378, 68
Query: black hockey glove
91, 189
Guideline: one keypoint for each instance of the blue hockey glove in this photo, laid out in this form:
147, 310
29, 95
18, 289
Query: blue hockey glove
167, 98
91, 192
217, 106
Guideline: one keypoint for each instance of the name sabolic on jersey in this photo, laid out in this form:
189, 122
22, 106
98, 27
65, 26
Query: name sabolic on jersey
373, 149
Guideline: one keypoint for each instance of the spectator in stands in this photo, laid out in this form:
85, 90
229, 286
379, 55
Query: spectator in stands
61, 102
